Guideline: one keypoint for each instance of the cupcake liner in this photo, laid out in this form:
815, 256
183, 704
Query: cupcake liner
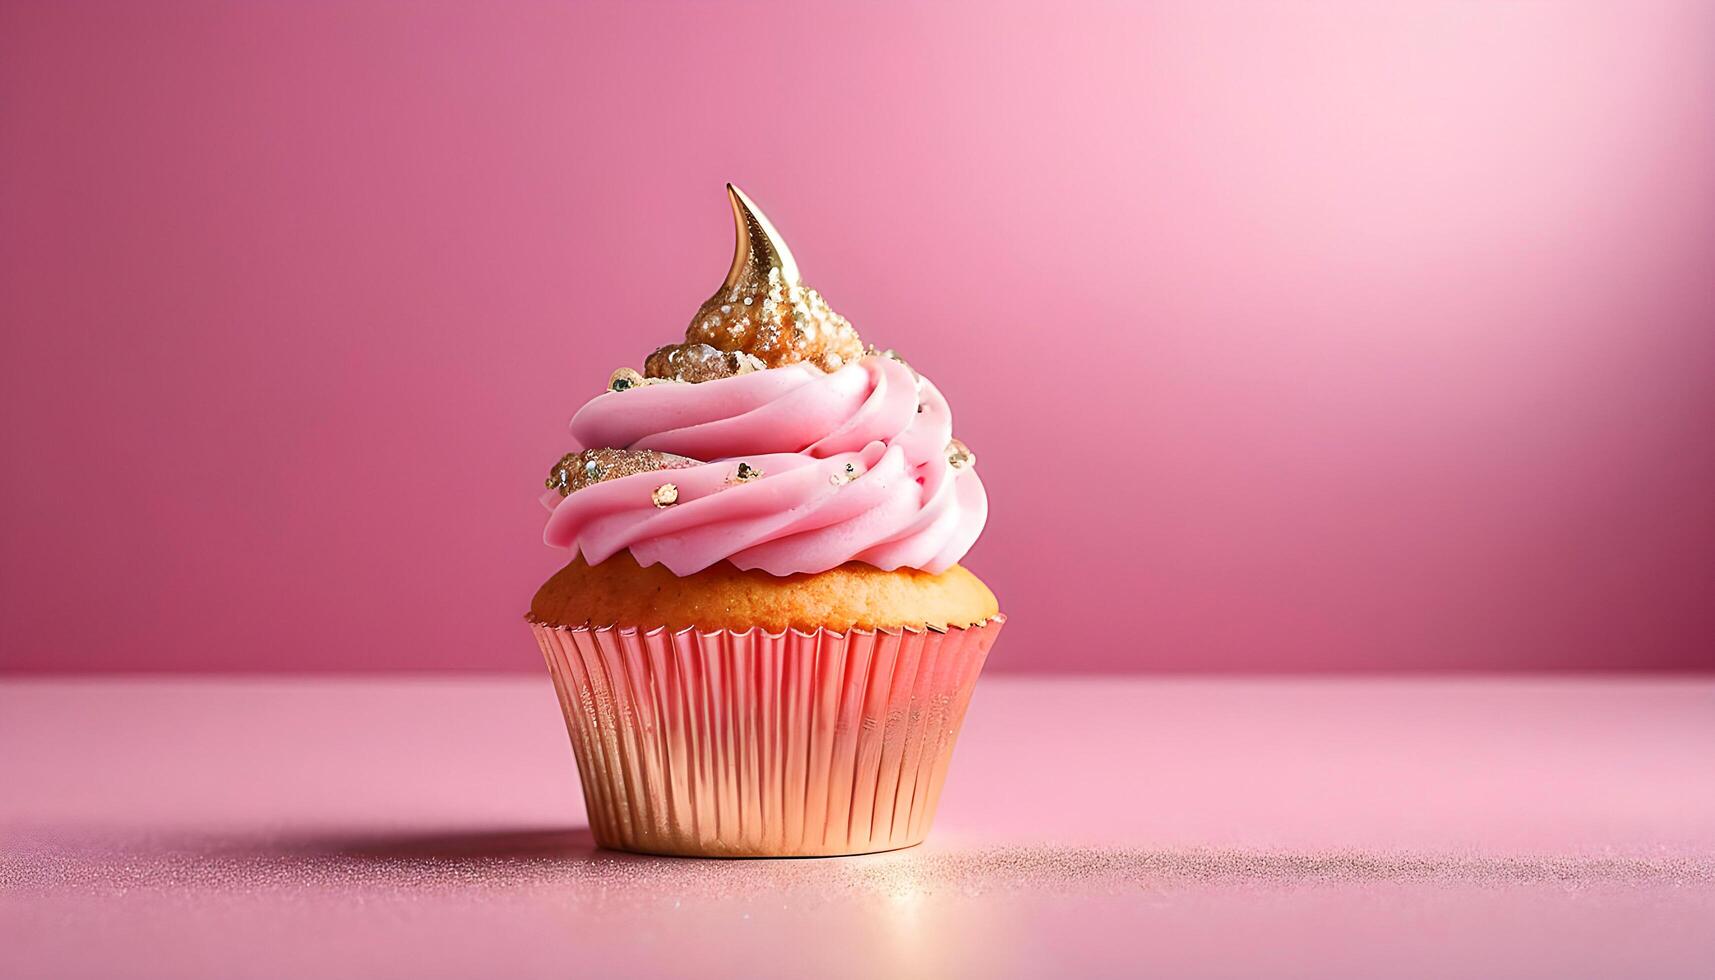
754, 744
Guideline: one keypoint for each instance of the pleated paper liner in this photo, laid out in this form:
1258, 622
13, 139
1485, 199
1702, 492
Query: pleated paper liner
753, 744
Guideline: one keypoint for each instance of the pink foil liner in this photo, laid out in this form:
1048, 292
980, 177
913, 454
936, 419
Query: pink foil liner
755, 744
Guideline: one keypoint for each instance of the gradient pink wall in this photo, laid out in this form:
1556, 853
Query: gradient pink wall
1292, 336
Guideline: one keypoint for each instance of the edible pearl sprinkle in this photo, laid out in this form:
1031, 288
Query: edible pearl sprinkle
665, 495
959, 456
623, 379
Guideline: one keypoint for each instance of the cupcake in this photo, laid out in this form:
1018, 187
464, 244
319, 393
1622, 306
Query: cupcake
763, 643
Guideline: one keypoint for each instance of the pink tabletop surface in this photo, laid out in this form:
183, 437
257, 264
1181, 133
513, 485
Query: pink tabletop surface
1521, 827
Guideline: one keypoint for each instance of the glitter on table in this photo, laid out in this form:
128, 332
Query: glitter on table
1545, 827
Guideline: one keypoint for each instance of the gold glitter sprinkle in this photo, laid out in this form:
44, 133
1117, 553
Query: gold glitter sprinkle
845, 474
695, 363
624, 379
746, 473
665, 495
574, 471
560, 474
959, 456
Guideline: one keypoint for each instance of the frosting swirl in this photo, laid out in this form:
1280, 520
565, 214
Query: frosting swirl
850, 465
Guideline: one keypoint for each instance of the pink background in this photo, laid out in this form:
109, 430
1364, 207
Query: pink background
1310, 336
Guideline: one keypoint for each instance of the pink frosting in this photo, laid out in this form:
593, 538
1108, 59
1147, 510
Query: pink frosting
899, 505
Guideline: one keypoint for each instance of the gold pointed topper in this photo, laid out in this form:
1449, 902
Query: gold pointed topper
759, 249
763, 312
